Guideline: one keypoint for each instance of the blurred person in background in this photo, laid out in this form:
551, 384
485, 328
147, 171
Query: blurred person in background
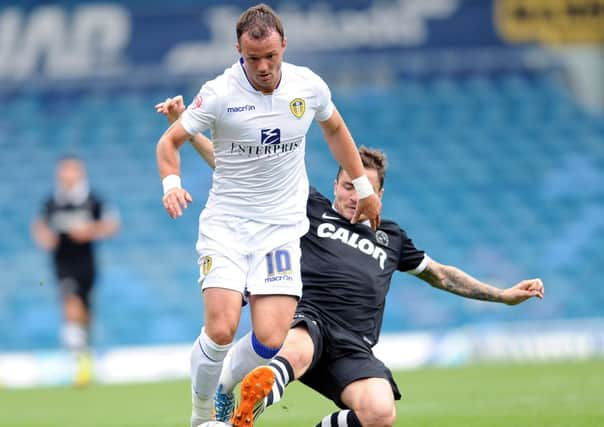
259, 111
71, 220
346, 273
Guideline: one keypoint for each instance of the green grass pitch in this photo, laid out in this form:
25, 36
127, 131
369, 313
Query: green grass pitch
528, 395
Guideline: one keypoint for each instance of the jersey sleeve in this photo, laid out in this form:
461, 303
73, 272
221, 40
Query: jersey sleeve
325, 105
202, 112
412, 260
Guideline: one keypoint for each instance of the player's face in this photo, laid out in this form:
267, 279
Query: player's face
345, 195
262, 59
69, 173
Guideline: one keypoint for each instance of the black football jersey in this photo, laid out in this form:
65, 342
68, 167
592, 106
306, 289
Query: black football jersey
347, 268
72, 256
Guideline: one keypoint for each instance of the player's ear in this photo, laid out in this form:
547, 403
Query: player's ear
381, 193
284, 42
335, 186
238, 47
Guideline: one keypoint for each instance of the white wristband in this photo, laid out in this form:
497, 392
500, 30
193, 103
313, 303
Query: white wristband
363, 187
169, 182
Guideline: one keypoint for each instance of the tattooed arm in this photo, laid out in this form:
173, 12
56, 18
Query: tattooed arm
454, 280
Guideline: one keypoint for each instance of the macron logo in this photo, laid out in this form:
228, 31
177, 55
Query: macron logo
240, 109
270, 136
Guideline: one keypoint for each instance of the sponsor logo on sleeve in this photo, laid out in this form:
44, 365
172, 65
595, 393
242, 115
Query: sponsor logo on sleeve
196, 103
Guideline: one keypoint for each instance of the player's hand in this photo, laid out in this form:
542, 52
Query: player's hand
172, 108
46, 238
368, 208
523, 291
83, 233
175, 201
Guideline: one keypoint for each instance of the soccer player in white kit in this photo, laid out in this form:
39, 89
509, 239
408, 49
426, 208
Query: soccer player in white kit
259, 111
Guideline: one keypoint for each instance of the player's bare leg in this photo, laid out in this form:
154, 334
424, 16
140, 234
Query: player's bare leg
75, 338
372, 401
222, 312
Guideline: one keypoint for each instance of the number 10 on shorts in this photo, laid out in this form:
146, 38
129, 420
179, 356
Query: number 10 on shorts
278, 262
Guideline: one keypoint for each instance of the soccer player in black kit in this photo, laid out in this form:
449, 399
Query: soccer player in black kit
72, 219
346, 273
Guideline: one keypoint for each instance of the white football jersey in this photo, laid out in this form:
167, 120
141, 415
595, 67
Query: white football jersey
259, 142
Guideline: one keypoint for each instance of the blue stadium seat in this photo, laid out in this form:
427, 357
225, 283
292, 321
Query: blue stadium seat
501, 176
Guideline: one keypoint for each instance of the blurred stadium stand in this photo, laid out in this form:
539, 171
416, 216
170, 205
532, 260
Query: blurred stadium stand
500, 174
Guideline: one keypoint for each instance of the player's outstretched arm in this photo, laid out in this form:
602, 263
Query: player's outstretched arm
344, 150
454, 280
172, 108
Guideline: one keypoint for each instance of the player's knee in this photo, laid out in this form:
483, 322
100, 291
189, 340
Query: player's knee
220, 333
299, 360
74, 308
271, 338
377, 415
389, 419
269, 341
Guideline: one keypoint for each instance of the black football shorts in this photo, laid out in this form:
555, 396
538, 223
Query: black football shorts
340, 358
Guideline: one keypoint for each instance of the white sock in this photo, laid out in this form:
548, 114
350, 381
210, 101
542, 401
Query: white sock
206, 362
74, 336
242, 358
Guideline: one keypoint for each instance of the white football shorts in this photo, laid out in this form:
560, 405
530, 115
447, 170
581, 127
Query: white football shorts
249, 257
